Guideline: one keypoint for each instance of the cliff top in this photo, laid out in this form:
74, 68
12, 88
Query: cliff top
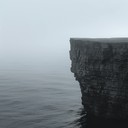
102, 40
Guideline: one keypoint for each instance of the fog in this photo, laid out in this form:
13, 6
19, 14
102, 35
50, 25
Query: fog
38, 31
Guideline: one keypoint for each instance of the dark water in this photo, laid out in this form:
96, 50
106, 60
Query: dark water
43, 99
38, 99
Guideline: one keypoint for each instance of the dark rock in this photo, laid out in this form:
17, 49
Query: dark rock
101, 68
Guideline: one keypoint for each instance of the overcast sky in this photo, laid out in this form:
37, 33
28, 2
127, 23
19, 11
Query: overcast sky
40, 29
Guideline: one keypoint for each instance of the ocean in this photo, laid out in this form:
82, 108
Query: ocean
39, 98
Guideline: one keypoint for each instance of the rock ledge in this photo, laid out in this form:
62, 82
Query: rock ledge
100, 65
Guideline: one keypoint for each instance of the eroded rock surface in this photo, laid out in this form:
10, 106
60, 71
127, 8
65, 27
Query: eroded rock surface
101, 68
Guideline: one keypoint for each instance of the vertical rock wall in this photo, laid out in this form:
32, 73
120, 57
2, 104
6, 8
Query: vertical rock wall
101, 68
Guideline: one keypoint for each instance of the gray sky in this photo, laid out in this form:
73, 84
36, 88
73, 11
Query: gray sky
40, 29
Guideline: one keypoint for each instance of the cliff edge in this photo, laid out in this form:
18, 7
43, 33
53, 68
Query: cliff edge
100, 65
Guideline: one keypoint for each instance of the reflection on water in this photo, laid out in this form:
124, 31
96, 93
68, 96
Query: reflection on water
89, 122
80, 121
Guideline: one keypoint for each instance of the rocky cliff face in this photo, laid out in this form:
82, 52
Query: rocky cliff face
101, 68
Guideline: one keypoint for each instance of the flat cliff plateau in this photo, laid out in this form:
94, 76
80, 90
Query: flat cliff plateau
100, 65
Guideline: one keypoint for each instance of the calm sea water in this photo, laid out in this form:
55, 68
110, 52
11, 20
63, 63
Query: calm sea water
43, 98
39, 99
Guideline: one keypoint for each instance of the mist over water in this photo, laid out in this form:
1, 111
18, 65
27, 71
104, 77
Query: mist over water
36, 97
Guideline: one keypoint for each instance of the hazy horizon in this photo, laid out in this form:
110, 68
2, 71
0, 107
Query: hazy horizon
39, 30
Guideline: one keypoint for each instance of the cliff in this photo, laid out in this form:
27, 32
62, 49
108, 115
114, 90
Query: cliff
101, 68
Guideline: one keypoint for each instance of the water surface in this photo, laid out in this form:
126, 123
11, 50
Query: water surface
38, 99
